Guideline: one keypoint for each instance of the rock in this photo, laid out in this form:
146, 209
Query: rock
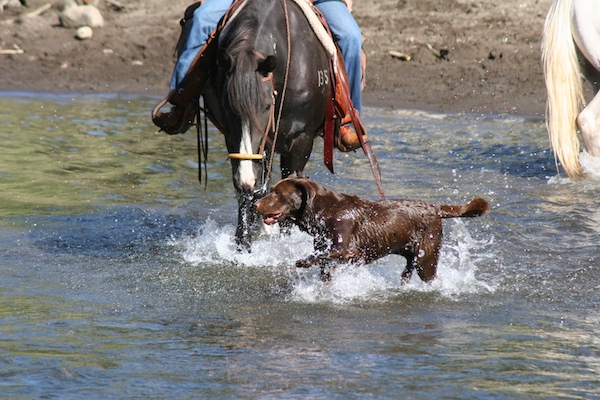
77, 16
9, 4
83, 2
69, 4
84, 32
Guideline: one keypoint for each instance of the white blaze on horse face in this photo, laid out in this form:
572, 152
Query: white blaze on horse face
247, 177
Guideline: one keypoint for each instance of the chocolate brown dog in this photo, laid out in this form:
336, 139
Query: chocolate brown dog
350, 228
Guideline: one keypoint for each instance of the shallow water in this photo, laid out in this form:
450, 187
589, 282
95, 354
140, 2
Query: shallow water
119, 279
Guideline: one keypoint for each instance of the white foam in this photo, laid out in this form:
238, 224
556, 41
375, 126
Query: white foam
590, 164
459, 261
457, 274
457, 270
215, 244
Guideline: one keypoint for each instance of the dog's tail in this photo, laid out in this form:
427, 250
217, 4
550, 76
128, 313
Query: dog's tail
475, 208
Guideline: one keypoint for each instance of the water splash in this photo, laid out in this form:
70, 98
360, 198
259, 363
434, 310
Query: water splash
461, 257
590, 164
457, 274
215, 244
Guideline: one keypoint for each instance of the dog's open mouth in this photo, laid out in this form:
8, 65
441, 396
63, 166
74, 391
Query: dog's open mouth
271, 219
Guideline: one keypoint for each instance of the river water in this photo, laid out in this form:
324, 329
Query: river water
119, 278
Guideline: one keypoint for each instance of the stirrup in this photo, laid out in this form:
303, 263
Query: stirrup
174, 121
348, 139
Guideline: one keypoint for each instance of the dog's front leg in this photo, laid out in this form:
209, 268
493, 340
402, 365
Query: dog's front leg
315, 260
308, 262
321, 245
328, 257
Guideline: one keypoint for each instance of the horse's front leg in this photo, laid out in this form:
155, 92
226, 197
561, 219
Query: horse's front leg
589, 124
294, 158
246, 217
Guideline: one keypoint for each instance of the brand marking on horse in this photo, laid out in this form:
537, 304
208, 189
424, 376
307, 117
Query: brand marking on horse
322, 77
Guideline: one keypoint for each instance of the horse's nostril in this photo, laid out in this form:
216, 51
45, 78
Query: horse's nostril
248, 186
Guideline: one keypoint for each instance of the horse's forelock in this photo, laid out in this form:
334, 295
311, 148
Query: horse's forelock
243, 91
244, 84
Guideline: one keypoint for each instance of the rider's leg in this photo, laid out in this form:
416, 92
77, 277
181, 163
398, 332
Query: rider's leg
204, 22
191, 69
346, 33
586, 33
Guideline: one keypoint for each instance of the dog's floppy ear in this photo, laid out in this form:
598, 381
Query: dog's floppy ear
306, 191
300, 198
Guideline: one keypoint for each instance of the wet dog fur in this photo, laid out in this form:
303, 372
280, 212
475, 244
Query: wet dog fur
348, 228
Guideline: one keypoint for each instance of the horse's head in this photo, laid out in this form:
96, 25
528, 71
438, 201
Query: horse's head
250, 87
245, 64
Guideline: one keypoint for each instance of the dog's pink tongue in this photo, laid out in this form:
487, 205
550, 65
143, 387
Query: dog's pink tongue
270, 219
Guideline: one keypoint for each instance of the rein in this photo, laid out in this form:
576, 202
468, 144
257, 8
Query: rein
285, 81
202, 147
270, 123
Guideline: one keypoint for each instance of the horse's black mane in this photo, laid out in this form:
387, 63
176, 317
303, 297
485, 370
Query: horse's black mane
244, 38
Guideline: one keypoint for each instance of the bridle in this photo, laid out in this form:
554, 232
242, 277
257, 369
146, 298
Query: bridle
272, 122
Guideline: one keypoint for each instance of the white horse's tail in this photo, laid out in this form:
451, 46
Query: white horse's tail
564, 86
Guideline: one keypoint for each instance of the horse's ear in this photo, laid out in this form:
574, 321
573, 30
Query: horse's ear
267, 65
224, 60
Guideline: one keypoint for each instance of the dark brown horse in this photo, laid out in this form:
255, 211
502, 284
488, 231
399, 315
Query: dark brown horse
268, 91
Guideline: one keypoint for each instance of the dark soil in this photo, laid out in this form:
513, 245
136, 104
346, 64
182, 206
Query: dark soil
479, 56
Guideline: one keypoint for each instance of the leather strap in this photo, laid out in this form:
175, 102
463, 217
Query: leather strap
329, 127
192, 85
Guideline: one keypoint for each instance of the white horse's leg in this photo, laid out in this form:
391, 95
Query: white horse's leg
586, 34
589, 124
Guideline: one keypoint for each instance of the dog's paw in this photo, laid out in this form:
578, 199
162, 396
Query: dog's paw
306, 263
326, 274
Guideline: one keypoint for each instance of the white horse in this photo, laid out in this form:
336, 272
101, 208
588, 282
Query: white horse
570, 48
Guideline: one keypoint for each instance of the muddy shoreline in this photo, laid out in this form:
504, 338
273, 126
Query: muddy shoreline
492, 64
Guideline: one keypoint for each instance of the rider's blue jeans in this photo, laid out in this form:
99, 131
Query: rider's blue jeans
347, 35
205, 20
343, 27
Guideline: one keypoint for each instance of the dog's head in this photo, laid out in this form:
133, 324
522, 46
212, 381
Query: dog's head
287, 200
